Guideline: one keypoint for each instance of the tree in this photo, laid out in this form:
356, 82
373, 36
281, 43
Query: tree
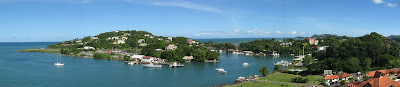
307, 60
199, 55
276, 68
264, 71
127, 58
352, 65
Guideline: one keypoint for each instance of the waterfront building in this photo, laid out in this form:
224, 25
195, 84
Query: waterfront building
147, 59
188, 58
137, 57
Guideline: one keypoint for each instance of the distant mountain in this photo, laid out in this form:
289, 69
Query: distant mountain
395, 37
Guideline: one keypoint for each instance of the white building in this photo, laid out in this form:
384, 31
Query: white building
78, 41
88, 47
322, 48
170, 38
146, 35
119, 42
141, 40
124, 38
115, 38
160, 39
286, 44
93, 38
188, 58
147, 59
171, 47
116, 31
137, 57
142, 44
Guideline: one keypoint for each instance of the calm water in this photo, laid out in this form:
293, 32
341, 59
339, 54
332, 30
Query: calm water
29, 69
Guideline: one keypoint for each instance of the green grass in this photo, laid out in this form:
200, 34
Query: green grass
41, 50
284, 77
263, 84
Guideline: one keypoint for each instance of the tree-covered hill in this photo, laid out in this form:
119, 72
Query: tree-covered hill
139, 42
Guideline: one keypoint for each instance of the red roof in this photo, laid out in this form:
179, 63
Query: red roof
371, 74
383, 81
343, 75
331, 77
308, 38
147, 57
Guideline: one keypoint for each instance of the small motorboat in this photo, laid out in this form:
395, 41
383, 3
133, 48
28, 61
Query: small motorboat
59, 64
151, 65
245, 64
131, 63
219, 69
223, 72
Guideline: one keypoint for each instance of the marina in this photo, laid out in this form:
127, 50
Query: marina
101, 72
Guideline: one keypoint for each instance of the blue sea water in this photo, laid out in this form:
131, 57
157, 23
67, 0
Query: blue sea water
30, 69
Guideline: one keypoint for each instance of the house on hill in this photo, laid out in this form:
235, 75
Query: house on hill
312, 41
379, 81
141, 40
171, 47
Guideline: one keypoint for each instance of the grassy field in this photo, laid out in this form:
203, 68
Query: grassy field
41, 50
263, 84
284, 77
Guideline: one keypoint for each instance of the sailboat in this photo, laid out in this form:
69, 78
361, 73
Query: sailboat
59, 63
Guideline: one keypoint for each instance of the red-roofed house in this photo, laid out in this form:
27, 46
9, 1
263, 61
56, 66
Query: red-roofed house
331, 78
345, 76
147, 59
312, 41
379, 81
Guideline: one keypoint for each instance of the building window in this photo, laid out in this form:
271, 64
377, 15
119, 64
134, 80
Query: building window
391, 86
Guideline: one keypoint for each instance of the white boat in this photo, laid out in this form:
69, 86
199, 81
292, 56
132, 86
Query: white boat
59, 62
151, 65
223, 72
274, 53
219, 69
283, 63
131, 63
245, 64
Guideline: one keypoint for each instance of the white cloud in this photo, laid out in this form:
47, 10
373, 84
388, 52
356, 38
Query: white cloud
391, 5
237, 30
278, 32
188, 5
293, 32
378, 1
258, 32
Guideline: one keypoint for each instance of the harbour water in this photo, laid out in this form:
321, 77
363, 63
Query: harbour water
30, 69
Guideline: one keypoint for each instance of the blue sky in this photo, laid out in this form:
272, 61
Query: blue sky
60, 20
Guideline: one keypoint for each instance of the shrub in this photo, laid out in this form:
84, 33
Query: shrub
299, 80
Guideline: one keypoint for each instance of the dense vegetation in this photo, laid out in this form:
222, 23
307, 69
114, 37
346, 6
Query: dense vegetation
371, 51
132, 45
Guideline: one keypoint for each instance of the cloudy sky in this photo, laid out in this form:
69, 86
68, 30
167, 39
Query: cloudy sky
60, 20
